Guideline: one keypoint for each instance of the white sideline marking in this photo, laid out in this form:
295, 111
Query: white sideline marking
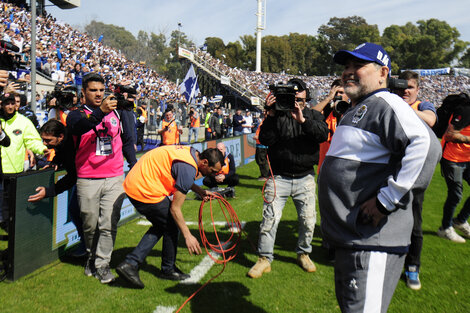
165, 309
200, 270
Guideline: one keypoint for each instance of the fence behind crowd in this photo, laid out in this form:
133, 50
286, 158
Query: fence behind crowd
42, 232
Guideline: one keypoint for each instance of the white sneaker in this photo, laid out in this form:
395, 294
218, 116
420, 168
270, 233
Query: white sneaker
450, 234
463, 227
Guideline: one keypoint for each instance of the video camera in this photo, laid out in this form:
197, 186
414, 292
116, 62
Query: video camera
122, 103
9, 61
396, 83
340, 106
64, 96
285, 96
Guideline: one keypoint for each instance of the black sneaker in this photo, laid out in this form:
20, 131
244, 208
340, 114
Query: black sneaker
104, 275
130, 273
175, 274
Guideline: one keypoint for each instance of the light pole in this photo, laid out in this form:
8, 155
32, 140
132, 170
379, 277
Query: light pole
259, 27
33, 55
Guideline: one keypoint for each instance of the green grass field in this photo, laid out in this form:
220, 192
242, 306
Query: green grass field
62, 287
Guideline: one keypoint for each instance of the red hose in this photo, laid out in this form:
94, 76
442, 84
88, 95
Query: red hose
227, 248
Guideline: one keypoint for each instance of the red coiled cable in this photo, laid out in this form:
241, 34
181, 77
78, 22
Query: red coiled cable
227, 248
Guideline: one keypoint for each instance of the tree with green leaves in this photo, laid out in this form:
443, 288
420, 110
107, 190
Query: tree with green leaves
428, 44
346, 33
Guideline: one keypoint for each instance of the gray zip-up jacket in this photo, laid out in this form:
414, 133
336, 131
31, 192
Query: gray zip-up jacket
380, 148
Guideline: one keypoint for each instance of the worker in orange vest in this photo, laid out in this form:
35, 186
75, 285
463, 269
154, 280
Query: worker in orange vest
227, 175
170, 130
157, 186
194, 124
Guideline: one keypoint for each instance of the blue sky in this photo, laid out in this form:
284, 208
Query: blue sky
231, 19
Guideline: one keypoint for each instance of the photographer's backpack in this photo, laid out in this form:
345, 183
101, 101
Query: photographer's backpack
445, 111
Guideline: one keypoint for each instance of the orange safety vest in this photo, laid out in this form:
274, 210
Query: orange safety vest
195, 122
414, 106
457, 152
226, 167
150, 180
144, 112
51, 155
172, 135
63, 117
257, 132
331, 121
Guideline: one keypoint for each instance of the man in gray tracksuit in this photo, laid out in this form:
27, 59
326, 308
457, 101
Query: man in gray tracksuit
381, 152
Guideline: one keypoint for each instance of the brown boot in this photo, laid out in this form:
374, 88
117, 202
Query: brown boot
305, 263
262, 266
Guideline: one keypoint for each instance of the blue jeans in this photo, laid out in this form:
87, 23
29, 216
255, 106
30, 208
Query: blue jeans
237, 133
454, 174
164, 226
302, 191
195, 131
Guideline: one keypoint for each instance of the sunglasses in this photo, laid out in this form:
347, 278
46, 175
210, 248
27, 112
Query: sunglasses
300, 99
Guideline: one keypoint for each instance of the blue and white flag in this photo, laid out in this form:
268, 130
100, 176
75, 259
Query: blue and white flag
189, 87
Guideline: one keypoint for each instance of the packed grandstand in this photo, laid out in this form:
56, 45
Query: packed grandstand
65, 54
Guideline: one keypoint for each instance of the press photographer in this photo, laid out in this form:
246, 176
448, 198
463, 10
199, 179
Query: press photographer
292, 134
61, 101
125, 97
333, 107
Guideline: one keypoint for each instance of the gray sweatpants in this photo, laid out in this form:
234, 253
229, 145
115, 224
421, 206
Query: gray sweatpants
366, 280
100, 208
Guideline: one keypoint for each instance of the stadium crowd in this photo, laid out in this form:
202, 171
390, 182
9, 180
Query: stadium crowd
65, 55
105, 130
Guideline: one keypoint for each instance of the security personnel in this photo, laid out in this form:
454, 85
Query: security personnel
23, 135
170, 131
208, 132
157, 187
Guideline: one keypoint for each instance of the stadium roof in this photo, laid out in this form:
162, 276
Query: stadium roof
66, 4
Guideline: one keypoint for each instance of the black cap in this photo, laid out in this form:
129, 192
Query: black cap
301, 86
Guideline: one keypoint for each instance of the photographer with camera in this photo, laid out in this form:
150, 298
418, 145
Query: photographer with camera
64, 100
101, 146
333, 107
292, 133
426, 111
455, 167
